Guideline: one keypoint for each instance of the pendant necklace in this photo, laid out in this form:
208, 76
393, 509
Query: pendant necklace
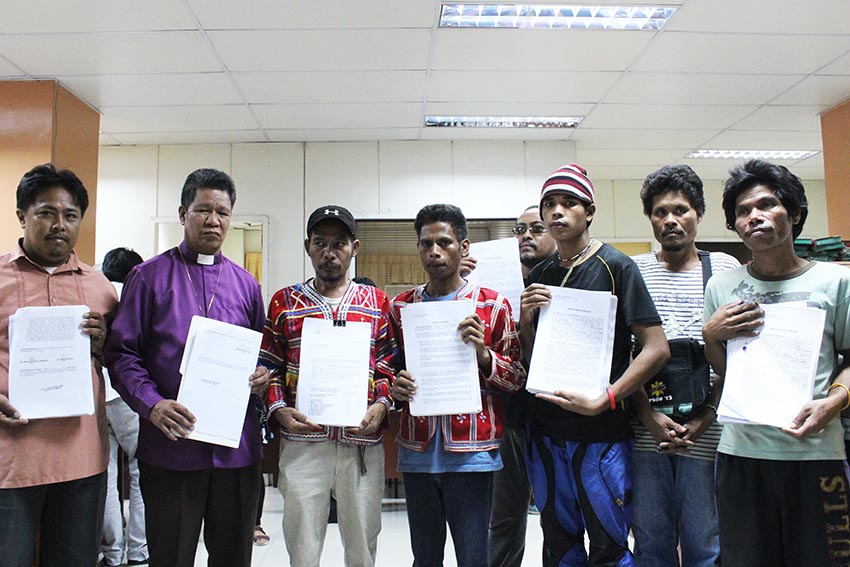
198, 301
574, 259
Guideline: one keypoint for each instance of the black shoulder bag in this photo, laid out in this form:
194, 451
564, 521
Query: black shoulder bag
683, 384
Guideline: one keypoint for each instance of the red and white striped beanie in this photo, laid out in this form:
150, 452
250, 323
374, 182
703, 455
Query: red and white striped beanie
569, 180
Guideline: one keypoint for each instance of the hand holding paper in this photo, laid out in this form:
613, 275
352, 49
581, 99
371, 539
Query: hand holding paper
173, 419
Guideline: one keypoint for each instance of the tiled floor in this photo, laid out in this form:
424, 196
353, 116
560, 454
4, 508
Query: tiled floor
393, 543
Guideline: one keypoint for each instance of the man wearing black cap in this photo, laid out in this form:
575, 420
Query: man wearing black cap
319, 460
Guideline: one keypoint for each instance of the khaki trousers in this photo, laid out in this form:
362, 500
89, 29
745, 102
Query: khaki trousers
310, 472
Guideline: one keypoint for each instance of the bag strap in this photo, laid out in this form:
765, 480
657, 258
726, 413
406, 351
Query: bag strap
705, 260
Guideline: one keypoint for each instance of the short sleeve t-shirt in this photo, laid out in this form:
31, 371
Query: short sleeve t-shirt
612, 271
823, 286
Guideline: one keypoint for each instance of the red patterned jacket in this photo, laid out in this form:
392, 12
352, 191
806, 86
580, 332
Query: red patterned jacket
469, 432
281, 348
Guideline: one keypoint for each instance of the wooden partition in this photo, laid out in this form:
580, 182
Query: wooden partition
40, 122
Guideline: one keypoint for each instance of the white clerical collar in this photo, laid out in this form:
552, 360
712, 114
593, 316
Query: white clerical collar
205, 260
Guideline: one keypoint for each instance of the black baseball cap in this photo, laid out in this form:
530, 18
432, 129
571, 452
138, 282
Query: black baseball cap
334, 212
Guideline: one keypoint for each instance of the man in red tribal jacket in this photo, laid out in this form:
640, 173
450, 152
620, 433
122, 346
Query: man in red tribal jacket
317, 460
448, 460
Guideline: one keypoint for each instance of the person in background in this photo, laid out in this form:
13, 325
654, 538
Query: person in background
511, 489
124, 432
672, 462
781, 493
52, 471
448, 460
187, 483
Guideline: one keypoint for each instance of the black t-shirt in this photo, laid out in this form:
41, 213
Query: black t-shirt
607, 270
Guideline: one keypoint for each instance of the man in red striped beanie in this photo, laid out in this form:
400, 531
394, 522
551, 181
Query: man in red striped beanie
578, 454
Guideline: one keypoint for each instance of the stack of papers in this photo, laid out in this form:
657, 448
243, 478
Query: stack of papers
217, 362
574, 343
50, 362
770, 377
445, 368
499, 268
333, 372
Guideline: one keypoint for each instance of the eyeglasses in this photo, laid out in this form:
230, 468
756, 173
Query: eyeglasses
535, 229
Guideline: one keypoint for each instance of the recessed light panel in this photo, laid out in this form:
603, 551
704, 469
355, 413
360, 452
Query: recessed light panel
502, 121
552, 16
751, 154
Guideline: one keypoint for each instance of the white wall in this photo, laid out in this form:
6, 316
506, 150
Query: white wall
375, 180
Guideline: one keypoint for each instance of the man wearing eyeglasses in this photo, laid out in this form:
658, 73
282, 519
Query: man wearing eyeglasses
511, 491
535, 242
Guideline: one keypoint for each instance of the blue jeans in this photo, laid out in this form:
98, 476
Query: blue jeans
69, 515
674, 505
460, 498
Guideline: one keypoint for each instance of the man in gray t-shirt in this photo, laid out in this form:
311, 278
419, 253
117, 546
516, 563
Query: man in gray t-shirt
781, 493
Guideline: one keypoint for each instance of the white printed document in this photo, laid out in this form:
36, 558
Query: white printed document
50, 362
574, 343
771, 376
445, 368
499, 269
218, 360
333, 373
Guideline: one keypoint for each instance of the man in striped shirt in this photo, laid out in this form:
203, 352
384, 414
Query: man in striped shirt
673, 463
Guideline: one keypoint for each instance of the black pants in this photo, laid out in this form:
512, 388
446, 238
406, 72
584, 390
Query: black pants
783, 513
70, 515
511, 494
176, 502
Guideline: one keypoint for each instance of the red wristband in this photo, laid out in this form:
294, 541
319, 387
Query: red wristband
611, 398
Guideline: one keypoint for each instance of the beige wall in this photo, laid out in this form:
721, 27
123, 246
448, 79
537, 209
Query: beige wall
389, 180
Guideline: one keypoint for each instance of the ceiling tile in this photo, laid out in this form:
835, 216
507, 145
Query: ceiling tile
825, 17
528, 86
587, 157
740, 53
46, 16
558, 134
506, 109
327, 14
7, 69
764, 140
664, 117
690, 88
118, 119
825, 90
342, 116
841, 66
153, 90
537, 50
347, 135
322, 50
772, 118
110, 53
649, 139
332, 87
159, 138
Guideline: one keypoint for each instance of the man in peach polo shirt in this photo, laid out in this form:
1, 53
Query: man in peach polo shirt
52, 471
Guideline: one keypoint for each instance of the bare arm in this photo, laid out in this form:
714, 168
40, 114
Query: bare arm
651, 359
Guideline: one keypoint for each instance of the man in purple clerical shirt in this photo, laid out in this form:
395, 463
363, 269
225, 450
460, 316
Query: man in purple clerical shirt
186, 482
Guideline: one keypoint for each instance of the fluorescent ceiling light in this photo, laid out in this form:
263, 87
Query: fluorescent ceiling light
749, 154
502, 121
554, 16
